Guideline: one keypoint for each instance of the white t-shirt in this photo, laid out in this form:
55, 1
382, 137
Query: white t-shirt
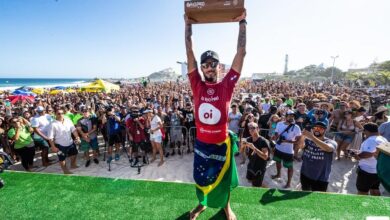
290, 135
154, 124
266, 107
41, 122
369, 145
61, 133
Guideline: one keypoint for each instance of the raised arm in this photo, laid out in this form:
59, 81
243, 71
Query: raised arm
191, 61
241, 45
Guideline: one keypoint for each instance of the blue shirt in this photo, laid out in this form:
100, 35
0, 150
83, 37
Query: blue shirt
113, 126
316, 163
384, 130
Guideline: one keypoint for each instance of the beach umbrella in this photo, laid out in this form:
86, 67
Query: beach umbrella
60, 87
21, 98
24, 93
38, 91
70, 90
26, 88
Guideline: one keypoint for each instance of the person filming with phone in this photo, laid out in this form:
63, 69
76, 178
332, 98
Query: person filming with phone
317, 158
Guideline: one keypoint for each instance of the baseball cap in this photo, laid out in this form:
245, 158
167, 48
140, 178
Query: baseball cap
290, 112
40, 109
209, 55
371, 127
320, 124
147, 111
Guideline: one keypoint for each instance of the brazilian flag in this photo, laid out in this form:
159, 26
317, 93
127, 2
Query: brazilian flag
215, 171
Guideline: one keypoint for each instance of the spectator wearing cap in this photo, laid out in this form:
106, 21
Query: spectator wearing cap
367, 181
319, 115
113, 133
317, 158
287, 133
347, 129
41, 125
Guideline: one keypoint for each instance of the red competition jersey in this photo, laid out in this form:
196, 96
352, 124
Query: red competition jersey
212, 106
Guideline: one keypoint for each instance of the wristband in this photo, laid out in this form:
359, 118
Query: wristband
243, 21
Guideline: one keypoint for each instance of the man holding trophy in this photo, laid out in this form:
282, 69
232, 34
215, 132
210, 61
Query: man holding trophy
215, 171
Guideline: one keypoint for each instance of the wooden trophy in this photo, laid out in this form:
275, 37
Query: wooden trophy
213, 11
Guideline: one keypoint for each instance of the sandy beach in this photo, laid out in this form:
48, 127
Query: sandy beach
179, 169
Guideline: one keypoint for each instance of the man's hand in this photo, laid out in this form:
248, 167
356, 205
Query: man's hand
54, 149
307, 133
241, 17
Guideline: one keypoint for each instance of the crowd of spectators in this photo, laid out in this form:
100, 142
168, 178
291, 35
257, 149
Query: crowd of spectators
312, 123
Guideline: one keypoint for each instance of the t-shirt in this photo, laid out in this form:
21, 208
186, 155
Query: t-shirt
255, 162
24, 139
384, 130
370, 145
42, 123
234, 121
290, 135
265, 107
61, 132
212, 102
154, 124
86, 125
113, 125
316, 163
135, 129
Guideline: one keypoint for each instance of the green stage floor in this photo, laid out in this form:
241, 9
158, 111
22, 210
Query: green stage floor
51, 196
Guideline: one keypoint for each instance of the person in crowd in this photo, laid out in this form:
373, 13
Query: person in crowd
41, 124
367, 181
384, 130
114, 134
264, 121
258, 150
317, 158
20, 135
380, 116
87, 128
155, 135
61, 142
234, 118
287, 133
136, 133
347, 129
189, 124
176, 135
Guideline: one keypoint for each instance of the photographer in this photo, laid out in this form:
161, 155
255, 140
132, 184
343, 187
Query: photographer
136, 132
287, 133
257, 148
61, 142
113, 133
317, 158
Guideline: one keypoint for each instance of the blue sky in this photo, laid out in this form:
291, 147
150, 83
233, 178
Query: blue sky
129, 38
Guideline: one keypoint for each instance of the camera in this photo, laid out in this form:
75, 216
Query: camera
135, 114
308, 127
280, 140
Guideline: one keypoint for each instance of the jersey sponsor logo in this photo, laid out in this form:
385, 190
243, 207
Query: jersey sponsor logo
210, 91
211, 99
233, 77
208, 114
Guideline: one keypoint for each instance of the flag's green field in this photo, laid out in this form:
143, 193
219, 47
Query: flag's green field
48, 196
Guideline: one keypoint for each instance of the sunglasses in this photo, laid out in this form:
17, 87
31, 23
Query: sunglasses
211, 64
318, 128
60, 113
253, 128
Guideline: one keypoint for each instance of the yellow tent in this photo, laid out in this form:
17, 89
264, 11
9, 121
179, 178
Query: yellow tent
71, 90
56, 91
38, 91
100, 86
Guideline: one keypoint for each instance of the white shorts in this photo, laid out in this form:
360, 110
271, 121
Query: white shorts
156, 139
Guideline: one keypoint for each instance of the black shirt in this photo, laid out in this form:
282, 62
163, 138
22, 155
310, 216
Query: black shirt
256, 162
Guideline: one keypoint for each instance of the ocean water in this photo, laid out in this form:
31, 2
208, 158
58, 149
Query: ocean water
13, 83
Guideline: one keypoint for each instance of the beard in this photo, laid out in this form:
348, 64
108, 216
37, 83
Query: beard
290, 120
210, 79
317, 134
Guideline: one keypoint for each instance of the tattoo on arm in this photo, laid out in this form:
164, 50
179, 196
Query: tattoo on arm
242, 37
